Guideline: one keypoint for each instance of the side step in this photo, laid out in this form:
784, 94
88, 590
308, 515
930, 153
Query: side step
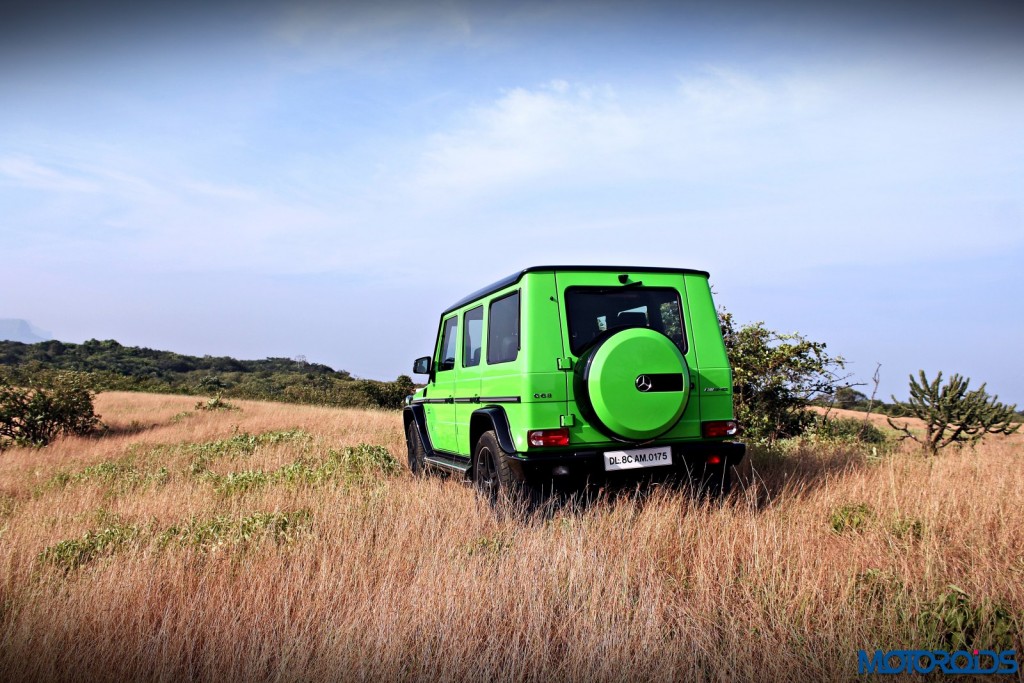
451, 465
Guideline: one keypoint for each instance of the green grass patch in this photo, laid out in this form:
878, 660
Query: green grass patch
7, 505
238, 445
221, 531
852, 518
224, 531
907, 528
118, 476
353, 463
73, 553
489, 546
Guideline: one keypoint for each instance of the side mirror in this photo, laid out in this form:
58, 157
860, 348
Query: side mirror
421, 366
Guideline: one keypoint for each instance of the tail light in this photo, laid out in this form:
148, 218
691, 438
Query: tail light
548, 437
714, 460
719, 428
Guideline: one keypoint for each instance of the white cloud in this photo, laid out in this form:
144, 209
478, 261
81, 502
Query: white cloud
810, 168
28, 173
821, 167
574, 134
528, 136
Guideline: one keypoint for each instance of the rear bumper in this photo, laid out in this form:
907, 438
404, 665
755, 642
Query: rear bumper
688, 459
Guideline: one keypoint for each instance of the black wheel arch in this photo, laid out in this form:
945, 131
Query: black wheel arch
414, 415
491, 418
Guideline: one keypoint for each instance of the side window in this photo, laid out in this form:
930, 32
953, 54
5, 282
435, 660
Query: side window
472, 336
449, 339
503, 329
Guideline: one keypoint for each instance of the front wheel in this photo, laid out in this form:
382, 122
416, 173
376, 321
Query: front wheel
417, 455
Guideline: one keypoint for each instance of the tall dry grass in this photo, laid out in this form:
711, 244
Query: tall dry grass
148, 565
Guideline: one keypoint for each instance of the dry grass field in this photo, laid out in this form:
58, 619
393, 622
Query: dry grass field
267, 543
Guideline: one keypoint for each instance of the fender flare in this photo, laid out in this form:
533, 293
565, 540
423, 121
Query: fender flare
495, 417
414, 414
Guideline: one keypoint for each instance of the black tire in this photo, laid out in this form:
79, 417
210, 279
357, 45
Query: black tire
493, 478
417, 455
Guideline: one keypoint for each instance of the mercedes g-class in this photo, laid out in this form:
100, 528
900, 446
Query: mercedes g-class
577, 373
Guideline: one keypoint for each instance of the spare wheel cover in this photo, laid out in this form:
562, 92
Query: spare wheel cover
636, 382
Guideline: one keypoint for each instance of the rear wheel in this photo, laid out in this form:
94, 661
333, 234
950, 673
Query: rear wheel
493, 477
417, 455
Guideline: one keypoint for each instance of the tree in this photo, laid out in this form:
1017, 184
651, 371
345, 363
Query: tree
387, 394
849, 398
775, 376
37, 414
952, 414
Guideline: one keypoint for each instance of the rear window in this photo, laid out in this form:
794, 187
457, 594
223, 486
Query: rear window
473, 325
593, 312
503, 330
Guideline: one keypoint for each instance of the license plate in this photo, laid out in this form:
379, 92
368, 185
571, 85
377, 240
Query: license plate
637, 458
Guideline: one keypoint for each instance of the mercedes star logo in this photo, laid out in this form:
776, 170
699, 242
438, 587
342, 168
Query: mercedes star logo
644, 383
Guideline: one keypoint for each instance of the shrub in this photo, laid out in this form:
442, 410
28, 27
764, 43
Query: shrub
908, 528
215, 403
775, 377
849, 398
952, 414
849, 429
953, 621
37, 414
388, 394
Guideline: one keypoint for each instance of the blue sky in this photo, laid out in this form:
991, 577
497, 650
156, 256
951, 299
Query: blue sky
321, 180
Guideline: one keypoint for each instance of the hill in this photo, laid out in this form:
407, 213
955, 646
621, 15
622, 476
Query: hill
16, 329
112, 366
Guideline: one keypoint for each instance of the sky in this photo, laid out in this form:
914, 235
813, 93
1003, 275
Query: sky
322, 179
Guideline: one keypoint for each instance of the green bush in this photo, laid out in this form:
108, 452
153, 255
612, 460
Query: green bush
36, 414
775, 378
849, 429
215, 403
955, 621
907, 528
352, 463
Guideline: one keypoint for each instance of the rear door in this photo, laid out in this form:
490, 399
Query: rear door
588, 320
467, 384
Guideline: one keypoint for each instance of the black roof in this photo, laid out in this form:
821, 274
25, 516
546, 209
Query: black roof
516, 277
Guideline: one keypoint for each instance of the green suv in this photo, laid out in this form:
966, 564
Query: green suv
570, 373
